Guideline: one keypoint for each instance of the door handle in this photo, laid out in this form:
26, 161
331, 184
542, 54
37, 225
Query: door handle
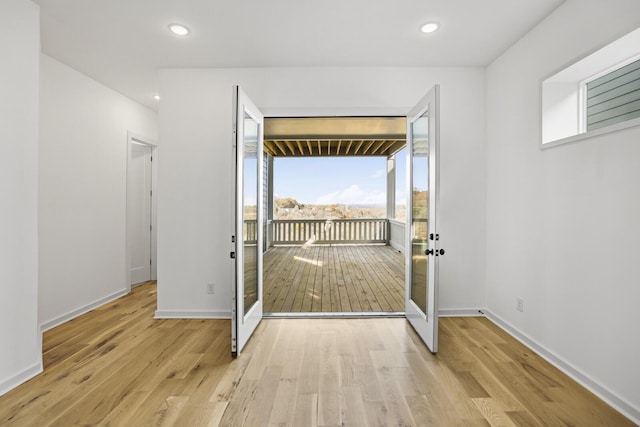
436, 252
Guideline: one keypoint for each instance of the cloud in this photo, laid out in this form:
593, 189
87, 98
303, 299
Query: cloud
379, 173
353, 195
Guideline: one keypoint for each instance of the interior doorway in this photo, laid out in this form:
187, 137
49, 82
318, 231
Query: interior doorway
141, 236
334, 240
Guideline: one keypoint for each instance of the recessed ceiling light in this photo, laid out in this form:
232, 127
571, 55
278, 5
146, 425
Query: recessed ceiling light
179, 29
429, 27
156, 97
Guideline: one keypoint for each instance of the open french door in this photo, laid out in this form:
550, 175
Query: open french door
247, 141
422, 238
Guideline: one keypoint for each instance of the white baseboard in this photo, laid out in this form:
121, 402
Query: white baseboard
191, 314
593, 386
82, 310
21, 377
460, 312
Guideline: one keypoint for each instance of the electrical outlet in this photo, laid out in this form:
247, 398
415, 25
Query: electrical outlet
211, 289
520, 304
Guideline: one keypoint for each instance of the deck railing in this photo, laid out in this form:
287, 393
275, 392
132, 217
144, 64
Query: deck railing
326, 231
250, 231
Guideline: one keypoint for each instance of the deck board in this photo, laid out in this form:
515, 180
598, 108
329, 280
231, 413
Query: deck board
336, 278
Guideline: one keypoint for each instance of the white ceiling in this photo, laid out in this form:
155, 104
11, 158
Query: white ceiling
121, 43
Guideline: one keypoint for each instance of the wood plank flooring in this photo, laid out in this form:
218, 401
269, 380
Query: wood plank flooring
117, 366
338, 278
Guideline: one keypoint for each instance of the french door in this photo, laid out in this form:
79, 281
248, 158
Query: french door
422, 238
248, 141
423, 241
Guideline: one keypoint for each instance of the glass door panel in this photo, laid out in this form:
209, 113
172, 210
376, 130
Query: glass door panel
250, 208
420, 210
247, 305
421, 300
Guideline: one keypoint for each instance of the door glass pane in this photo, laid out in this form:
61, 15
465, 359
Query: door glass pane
250, 197
420, 217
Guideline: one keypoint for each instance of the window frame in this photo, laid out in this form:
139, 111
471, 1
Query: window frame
581, 87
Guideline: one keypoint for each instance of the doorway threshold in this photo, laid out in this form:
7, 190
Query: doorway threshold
334, 315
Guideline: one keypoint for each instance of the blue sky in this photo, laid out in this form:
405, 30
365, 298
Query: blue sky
327, 180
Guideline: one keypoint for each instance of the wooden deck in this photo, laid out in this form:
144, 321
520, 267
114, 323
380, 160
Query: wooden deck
338, 279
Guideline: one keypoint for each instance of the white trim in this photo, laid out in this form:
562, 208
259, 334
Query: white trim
582, 108
192, 314
82, 310
21, 377
622, 406
460, 312
592, 134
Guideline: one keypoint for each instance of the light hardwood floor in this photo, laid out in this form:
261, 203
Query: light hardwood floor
118, 366
338, 278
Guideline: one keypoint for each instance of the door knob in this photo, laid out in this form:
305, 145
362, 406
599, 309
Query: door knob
428, 252
440, 252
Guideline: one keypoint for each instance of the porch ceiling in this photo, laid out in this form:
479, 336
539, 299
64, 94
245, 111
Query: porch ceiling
334, 136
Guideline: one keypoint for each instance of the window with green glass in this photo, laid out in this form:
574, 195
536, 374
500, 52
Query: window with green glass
613, 97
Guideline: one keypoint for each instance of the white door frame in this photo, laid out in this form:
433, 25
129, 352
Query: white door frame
143, 140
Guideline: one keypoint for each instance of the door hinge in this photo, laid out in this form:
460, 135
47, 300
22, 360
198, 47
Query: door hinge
232, 255
233, 239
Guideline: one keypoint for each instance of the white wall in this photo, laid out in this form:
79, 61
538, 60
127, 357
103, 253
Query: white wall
20, 357
562, 223
195, 206
397, 232
82, 200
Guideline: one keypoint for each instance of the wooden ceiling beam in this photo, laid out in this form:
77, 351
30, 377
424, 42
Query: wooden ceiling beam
267, 147
355, 153
334, 147
277, 143
366, 150
288, 128
349, 147
378, 146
